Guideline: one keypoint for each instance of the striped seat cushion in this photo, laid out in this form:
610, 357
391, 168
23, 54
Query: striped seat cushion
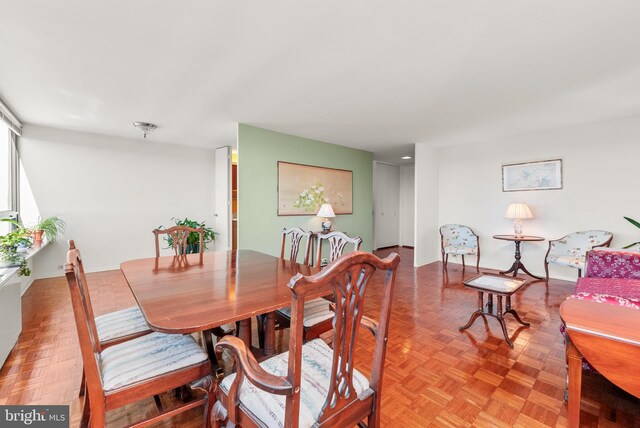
120, 323
315, 311
316, 370
147, 356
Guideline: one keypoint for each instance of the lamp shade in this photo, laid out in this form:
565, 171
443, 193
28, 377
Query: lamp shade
518, 210
326, 211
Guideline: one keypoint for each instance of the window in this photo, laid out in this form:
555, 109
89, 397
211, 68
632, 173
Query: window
8, 177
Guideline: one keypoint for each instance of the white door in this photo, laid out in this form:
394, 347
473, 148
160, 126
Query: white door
222, 198
386, 205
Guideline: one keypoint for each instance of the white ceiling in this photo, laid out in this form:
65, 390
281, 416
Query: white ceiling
368, 74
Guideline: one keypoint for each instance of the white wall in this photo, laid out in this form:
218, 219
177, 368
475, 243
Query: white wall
600, 174
426, 200
407, 205
112, 192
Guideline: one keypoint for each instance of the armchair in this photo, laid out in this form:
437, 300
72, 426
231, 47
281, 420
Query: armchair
313, 384
459, 239
571, 249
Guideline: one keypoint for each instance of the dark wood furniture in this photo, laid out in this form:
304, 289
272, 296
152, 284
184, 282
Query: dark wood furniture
552, 241
445, 254
347, 279
321, 310
180, 236
517, 264
337, 243
198, 292
129, 333
500, 286
107, 386
295, 238
609, 337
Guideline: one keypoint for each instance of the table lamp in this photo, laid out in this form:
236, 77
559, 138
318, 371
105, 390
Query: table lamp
518, 211
326, 212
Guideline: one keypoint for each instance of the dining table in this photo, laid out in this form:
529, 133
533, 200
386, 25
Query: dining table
199, 292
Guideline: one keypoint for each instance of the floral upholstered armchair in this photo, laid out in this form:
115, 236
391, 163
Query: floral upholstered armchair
459, 239
571, 250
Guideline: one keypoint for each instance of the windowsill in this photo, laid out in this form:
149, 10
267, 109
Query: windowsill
7, 273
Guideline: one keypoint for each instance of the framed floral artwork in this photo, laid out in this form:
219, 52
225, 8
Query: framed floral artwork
302, 189
540, 175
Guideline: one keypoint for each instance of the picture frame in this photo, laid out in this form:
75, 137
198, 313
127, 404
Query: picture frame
302, 189
537, 175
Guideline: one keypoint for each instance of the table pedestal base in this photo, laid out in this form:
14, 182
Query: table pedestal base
499, 315
518, 265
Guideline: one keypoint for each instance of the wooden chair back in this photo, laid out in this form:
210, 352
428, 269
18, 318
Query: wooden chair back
85, 321
348, 277
337, 243
296, 234
180, 237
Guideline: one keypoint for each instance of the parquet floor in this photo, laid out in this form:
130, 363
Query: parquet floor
434, 375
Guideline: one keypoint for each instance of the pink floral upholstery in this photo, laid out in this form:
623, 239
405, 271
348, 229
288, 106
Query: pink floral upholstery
624, 287
604, 263
613, 278
609, 299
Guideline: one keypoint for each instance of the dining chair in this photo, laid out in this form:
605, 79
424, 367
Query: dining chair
337, 243
136, 369
571, 249
460, 240
295, 237
314, 384
179, 238
318, 314
113, 327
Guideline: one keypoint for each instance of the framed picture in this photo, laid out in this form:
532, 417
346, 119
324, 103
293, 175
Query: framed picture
541, 175
302, 189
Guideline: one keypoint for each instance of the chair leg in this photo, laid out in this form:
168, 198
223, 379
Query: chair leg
446, 260
208, 386
260, 320
579, 273
463, 266
546, 270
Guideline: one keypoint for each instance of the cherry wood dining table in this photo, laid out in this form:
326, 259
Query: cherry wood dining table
198, 292
608, 336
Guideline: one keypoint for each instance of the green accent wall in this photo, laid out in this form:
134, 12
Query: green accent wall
259, 150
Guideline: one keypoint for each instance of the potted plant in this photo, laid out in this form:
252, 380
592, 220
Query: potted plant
636, 224
193, 241
50, 227
12, 246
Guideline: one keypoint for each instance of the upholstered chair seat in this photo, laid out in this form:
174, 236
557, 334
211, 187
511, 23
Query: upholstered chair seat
571, 249
315, 311
317, 358
460, 240
124, 322
146, 357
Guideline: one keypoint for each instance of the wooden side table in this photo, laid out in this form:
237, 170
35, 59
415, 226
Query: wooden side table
500, 286
517, 264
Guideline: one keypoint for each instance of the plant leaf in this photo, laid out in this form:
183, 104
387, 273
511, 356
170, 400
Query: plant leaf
631, 245
633, 222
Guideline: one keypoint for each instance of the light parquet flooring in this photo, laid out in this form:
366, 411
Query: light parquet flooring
434, 374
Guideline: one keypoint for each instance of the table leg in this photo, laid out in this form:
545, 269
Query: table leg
517, 264
500, 319
244, 332
574, 358
270, 334
476, 314
510, 310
